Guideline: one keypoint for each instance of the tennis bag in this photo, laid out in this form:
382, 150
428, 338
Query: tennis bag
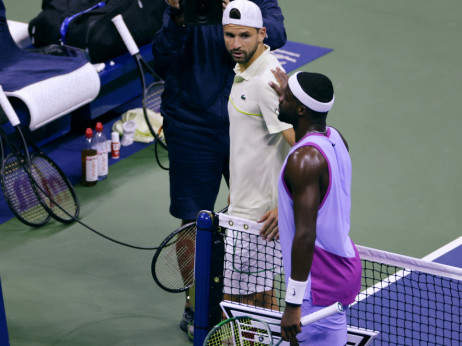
86, 24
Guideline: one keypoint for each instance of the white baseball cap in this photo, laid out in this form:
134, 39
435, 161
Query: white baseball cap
249, 14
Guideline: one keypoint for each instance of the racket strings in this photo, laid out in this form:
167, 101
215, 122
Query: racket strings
54, 189
20, 194
186, 261
152, 97
254, 333
242, 331
226, 334
174, 265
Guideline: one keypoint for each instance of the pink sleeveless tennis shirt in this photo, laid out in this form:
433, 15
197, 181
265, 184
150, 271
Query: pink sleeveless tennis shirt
336, 270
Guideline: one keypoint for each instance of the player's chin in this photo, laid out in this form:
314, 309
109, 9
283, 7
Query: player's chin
239, 58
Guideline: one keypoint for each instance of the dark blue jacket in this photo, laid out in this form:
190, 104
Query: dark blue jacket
198, 70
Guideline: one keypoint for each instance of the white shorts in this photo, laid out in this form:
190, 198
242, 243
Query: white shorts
250, 263
329, 331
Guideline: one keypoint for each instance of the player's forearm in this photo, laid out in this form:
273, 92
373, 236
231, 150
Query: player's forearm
302, 258
289, 136
302, 255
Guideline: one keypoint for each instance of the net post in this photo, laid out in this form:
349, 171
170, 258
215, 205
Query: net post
216, 273
202, 275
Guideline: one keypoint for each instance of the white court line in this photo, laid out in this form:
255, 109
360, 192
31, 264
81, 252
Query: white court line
408, 266
282, 51
443, 250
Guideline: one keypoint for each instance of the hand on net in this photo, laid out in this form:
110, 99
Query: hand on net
270, 230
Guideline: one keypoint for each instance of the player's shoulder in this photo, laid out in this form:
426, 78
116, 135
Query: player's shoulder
272, 63
306, 161
306, 151
266, 75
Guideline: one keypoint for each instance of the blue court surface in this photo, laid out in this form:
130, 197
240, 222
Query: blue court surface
407, 308
413, 308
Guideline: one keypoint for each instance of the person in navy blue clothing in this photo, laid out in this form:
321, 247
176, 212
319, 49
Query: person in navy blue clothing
198, 74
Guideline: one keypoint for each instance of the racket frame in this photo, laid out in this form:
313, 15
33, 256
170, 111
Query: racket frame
159, 250
141, 64
29, 167
337, 307
38, 153
19, 157
157, 254
241, 326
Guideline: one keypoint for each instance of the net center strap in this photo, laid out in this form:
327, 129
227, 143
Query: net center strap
236, 223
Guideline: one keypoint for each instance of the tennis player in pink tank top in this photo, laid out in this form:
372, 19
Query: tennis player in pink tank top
321, 263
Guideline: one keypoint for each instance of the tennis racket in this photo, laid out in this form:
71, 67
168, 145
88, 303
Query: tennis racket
17, 188
172, 266
173, 263
152, 93
247, 330
50, 184
54, 187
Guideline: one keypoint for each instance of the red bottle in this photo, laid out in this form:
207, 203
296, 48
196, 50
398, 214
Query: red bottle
89, 160
115, 145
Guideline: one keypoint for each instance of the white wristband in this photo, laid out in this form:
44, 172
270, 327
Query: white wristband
295, 291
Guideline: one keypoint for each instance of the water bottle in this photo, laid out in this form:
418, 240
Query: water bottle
100, 145
89, 160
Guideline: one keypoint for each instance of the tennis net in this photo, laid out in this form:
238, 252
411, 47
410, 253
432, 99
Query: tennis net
407, 300
403, 301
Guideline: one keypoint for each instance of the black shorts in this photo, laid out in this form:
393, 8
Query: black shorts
197, 164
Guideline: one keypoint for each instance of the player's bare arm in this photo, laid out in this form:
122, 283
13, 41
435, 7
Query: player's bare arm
303, 175
289, 136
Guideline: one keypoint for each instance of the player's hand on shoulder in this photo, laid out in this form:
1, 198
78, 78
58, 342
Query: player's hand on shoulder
282, 79
270, 229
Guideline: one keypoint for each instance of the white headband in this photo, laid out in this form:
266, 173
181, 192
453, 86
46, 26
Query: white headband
306, 99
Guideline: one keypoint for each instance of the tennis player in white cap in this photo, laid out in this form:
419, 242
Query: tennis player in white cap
258, 144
